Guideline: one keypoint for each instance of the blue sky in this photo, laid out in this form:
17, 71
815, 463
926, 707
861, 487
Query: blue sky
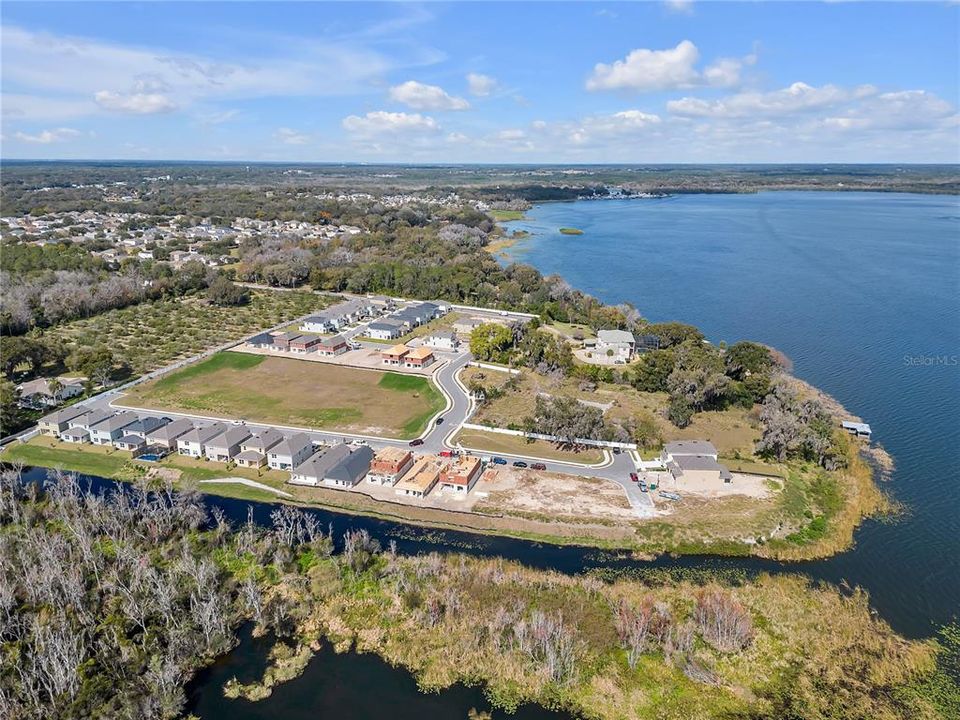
538, 82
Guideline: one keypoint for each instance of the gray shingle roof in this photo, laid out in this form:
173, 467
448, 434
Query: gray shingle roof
352, 468
292, 445
317, 465
690, 447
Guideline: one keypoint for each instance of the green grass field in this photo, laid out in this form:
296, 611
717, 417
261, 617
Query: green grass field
506, 215
298, 393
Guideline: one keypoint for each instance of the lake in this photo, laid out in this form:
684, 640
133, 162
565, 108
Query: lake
860, 290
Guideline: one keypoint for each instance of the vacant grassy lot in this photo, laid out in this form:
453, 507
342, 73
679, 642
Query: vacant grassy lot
295, 392
506, 215
155, 334
513, 445
443, 323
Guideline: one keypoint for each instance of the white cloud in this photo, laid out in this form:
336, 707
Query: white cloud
218, 117
381, 122
903, 110
646, 70
46, 137
798, 97
289, 136
136, 103
684, 7
481, 85
426, 97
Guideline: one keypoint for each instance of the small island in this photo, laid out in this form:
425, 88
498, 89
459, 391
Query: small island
570, 231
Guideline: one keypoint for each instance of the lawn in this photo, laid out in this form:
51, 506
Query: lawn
514, 445
292, 392
507, 215
154, 334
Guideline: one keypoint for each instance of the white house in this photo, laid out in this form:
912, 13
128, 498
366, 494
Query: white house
194, 442
618, 344
225, 446
112, 428
384, 330
290, 452
442, 340
312, 470
680, 448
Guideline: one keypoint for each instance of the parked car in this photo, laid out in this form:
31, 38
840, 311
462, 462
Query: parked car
634, 477
616, 451
643, 486
520, 464
499, 461
439, 421
448, 453
415, 443
538, 466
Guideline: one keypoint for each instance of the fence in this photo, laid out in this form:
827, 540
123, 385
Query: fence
551, 438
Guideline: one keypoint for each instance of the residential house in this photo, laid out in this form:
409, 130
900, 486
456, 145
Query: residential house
678, 448
700, 472
290, 452
351, 469
226, 445
146, 425
442, 340
133, 443
75, 435
87, 420
166, 436
318, 324
304, 343
194, 442
336, 345
262, 341
283, 340
461, 474
312, 470
420, 479
389, 465
616, 344
394, 355
418, 358
110, 429
253, 450
39, 393
55, 423
386, 329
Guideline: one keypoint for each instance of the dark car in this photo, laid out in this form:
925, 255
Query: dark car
414, 443
499, 461
538, 466
634, 477
439, 421
520, 464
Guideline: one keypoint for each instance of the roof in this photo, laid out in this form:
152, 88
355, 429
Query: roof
304, 338
261, 339
322, 319
462, 469
249, 456
446, 334
42, 385
690, 447
75, 432
856, 426
264, 441
392, 454
384, 325
65, 415
202, 434
93, 417
317, 465
613, 337
398, 350
420, 353
698, 462
421, 476
131, 440
115, 422
147, 424
288, 336
229, 437
334, 341
353, 467
292, 445
171, 431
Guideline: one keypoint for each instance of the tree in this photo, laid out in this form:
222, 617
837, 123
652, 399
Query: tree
224, 293
745, 358
11, 416
97, 363
491, 341
651, 371
646, 432
674, 333
680, 412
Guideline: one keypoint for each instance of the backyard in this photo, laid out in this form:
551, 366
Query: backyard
299, 393
154, 334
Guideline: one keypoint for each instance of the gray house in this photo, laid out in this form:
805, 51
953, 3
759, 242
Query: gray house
195, 441
113, 428
166, 436
89, 419
226, 445
75, 435
253, 450
680, 448
314, 469
56, 423
145, 425
351, 469
289, 453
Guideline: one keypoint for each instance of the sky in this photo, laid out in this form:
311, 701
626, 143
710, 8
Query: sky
588, 82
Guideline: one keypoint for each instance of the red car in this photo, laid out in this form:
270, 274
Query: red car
538, 466
633, 476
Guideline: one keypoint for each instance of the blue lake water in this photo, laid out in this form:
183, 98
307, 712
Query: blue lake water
860, 290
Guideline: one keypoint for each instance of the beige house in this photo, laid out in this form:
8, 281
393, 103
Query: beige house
420, 479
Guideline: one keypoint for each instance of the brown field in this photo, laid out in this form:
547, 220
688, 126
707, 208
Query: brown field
296, 393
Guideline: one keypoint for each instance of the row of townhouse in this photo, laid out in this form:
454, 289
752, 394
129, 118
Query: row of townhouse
301, 343
402, 321
405, 356
346, 313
